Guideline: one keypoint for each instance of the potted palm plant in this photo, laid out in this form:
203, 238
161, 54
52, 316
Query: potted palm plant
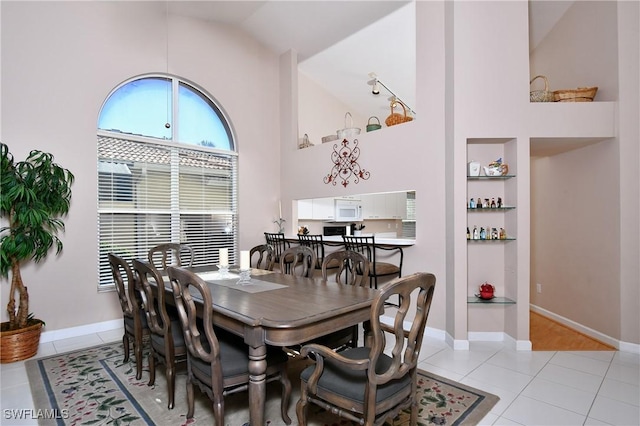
34, 195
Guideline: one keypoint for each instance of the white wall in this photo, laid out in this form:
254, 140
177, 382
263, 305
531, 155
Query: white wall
60, 60
321, 114
576, 225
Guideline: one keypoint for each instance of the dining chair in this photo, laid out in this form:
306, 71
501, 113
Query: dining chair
167, 342
265, 258
299, 261
367, 384
217, 360
135, 321
170, 254
352, 268
316, 243
367, 247
279, 244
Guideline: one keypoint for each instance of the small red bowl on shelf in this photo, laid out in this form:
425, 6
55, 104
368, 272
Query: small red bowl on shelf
486, 295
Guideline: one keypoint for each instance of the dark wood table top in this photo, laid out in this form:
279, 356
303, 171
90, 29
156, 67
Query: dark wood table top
289, 310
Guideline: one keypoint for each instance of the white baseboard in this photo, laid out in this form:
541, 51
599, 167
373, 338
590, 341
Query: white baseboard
486, 336
620, 345
456, 345
82, 330
499, 336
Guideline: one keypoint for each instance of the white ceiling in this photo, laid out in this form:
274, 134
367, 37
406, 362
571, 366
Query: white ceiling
340, 42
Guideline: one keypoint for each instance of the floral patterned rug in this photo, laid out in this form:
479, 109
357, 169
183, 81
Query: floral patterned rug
95, 387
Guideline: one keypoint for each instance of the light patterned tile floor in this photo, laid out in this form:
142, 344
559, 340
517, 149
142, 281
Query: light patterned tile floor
536, 388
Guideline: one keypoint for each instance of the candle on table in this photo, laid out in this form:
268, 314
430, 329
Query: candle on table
244, 259
224, 256
280, 209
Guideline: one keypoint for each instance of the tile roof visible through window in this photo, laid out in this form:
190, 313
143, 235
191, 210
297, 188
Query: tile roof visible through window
122, 149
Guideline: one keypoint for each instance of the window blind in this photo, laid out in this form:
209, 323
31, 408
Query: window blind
153, 192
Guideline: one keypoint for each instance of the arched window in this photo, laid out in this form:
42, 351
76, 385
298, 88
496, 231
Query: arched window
167, 172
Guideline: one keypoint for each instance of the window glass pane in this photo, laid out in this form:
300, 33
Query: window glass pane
200, 122
169, 194
140, 107
152, 192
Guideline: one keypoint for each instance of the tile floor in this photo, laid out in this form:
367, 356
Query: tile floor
535, 388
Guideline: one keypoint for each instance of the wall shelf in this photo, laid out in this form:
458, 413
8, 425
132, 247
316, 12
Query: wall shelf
471, 240
490, 209
502, 177
494, 301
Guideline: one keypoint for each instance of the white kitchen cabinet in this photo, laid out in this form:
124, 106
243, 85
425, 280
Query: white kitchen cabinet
373, 206
305, 209
396, 205
324, 208
392, 205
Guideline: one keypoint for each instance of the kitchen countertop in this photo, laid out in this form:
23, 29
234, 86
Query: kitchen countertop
400, 242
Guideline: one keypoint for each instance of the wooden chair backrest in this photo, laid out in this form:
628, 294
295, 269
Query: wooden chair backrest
298, 260
170, 254
153, 298
353, 268
265, 258
125, 283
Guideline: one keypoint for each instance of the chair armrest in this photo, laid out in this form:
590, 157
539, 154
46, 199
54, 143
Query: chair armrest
321, 352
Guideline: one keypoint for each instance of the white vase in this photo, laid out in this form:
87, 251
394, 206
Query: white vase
357, 233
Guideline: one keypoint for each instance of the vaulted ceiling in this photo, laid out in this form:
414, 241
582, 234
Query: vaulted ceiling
340, 42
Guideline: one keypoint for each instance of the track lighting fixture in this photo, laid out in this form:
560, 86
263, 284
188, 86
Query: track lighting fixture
376, 88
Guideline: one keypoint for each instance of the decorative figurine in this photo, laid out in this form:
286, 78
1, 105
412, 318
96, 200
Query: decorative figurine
493, 203
472, 204
476, 234
499, 204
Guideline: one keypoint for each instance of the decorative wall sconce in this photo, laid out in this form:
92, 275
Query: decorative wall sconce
345, 164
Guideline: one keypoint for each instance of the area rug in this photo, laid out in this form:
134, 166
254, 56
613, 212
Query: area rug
95, 387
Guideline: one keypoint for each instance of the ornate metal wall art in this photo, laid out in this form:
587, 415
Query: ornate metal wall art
345, 164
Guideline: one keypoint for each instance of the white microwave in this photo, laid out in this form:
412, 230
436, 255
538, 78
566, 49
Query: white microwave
348, 211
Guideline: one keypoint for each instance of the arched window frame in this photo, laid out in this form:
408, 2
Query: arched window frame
153, 190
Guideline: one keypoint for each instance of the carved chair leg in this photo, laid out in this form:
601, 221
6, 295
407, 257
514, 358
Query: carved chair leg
301, 408
218, 409
286, 395
152, 367
137, 348
190, 407
125, 343
171, 382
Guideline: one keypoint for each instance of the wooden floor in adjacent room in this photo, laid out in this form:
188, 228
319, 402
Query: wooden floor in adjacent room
549, 335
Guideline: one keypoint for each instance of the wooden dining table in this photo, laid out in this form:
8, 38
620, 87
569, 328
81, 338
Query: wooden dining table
280, 310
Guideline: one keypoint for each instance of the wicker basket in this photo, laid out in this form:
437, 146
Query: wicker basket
17, 345
541, 95
349, 131
395, 117
581, 94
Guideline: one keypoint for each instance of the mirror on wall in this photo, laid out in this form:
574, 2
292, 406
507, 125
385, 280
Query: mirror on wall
385, 215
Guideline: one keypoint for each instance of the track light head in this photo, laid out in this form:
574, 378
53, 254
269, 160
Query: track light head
376, 89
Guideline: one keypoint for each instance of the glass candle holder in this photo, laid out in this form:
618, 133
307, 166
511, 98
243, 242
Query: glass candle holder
223, 271
245, 276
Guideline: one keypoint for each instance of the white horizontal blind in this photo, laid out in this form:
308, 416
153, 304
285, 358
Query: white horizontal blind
153, 192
